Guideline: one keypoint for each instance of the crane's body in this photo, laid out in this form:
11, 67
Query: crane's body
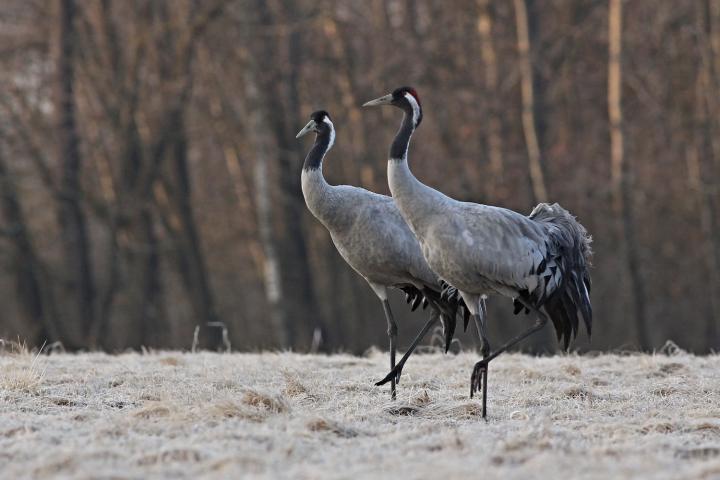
371, 236
540, 261
482, 249
369, 233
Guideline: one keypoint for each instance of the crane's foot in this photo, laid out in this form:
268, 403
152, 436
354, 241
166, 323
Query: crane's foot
393, 376
478, 382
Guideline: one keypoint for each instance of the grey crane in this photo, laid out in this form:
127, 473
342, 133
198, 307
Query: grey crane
540, 261
372, 237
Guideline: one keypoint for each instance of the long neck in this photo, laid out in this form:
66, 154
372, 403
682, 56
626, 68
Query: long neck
399, 147
414, 199
314, 158
317, 192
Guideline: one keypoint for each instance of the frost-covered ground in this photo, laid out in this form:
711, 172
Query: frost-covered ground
183, 415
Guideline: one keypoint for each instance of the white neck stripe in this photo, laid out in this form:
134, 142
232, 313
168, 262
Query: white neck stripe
415, 106
332, 132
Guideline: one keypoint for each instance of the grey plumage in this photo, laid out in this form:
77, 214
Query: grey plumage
482, 250
563, 278
540, 261
370, 234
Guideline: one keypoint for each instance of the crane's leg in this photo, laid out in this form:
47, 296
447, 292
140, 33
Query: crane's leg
485, 352
476, 380
476, 305
392, 334
480, 375
395, 373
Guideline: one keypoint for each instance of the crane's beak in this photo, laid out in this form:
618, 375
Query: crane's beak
306, 129
387, 99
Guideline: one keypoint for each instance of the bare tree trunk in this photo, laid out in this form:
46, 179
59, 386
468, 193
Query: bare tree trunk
280, 102
543, 342
702, 160
295, 249
120, 106
621, 171
706, 214
77, 268
32, 285
137, 256
528, 102
490, 67
280, 323
190, 254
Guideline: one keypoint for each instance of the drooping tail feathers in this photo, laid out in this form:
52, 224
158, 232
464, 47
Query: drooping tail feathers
449, 303
568, 253
451, 296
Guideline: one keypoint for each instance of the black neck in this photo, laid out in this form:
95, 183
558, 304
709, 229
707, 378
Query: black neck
314, 158
399, 147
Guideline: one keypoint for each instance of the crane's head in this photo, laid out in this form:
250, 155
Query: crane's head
319, 123
405, 98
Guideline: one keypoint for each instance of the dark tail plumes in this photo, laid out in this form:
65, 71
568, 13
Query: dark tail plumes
414, 297
568, 253
450, 305
452, 295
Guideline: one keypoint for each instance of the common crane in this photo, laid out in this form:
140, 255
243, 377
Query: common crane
540, 261
372, 237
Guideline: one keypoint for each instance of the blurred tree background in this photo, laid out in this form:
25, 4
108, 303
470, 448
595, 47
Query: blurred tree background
150, 178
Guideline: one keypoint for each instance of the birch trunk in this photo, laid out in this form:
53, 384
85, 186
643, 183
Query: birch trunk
621, 172
279, 322
528, 103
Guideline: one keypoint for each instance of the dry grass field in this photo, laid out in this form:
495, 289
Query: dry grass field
283, 415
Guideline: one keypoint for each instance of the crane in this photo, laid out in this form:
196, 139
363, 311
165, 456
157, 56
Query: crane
540, 261
372, 237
